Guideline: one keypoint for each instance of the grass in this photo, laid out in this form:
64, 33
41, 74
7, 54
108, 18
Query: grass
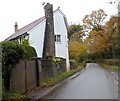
9, 95
109, 63
112, 67
60, 77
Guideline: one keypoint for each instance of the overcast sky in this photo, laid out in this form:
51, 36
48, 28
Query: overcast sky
26, 11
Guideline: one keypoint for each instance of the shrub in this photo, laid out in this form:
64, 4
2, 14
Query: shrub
83, 64
12, 53
25, 42
29, 52
113, 62
73, 62
56, 60
88, 60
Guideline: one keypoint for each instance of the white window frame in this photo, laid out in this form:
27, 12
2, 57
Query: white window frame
58, 38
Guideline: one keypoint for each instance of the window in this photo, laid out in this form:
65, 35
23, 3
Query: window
20, 40
57, 38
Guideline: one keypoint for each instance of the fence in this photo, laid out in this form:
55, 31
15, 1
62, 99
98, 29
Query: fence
23, 77
29, 73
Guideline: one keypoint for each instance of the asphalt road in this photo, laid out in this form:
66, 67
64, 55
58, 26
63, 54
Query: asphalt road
93, 83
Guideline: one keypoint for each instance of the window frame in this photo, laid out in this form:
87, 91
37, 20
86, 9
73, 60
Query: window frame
58, 39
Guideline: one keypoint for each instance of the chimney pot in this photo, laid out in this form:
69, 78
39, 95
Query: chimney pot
16, 27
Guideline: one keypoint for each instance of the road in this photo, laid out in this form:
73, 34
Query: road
93, 83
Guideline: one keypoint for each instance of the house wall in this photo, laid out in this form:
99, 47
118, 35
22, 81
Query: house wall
36, 37
60, 29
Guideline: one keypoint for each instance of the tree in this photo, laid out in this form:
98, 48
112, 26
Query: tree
98, 42
77, 49
104, 43
95, 20
75, 32
112, 29
98, 39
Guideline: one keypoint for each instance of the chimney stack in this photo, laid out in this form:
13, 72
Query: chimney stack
16, 27
49, 40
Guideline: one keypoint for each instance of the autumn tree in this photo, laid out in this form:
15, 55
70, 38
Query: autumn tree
97, 39
95, 20
102, 39
77, 49
112, 29
98, 43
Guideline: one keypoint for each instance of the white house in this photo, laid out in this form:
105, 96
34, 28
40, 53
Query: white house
35, 32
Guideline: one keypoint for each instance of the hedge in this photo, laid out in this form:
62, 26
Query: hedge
29, 52
12, 53
113, 62
73, 62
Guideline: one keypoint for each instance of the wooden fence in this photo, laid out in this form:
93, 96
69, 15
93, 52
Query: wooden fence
29, 73
23, 77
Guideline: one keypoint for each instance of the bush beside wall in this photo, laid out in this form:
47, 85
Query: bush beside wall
29, 52
73, 62
12, 53
113, 62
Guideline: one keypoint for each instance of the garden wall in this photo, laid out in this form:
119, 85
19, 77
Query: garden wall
48, 69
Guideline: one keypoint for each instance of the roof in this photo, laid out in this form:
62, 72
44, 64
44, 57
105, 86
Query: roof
28, 27
25, 29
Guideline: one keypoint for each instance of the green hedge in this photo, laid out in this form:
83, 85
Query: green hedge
113, 62
29, 52
12, 53
73, 62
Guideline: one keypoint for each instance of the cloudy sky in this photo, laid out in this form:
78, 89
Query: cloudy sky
26, 11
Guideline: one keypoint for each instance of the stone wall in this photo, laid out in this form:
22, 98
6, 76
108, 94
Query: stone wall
48, 69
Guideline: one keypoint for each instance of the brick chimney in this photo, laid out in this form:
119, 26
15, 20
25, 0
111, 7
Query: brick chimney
49, 40
16, 27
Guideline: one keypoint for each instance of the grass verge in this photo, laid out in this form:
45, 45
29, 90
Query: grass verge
110, 66
60, 77
9, 95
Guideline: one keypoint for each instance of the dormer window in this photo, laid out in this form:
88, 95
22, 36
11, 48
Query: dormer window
57, 38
